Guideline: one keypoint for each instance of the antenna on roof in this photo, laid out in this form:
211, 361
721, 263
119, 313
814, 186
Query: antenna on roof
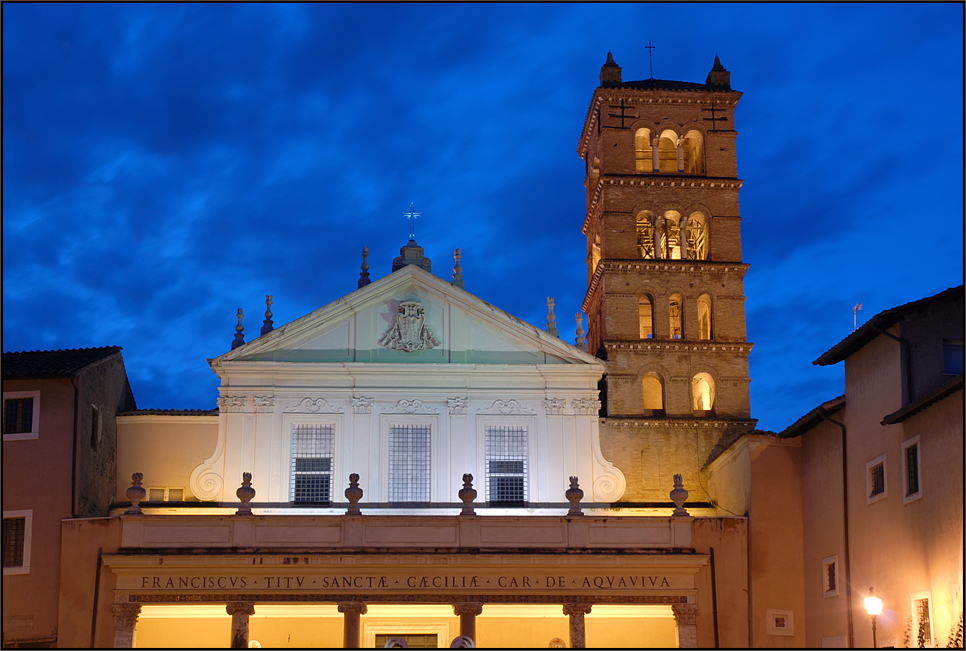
855, 314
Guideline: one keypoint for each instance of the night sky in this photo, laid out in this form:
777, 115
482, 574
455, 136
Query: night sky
164, 165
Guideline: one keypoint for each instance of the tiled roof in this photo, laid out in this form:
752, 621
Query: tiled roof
881, 321
52, 363
813, 418
730, 438
954, 385
664, 84
170, 412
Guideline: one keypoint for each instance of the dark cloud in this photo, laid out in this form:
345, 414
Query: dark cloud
166, 164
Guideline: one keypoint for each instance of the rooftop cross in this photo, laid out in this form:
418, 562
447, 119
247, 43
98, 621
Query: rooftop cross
650, 55
412, 215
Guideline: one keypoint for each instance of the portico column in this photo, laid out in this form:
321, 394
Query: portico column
578, 637
468, 611
685, 615
240, 611
683, 226
125, 624
352, 623
658, 233
656, 154
680, 147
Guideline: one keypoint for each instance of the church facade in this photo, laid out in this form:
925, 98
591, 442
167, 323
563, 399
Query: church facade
412, 466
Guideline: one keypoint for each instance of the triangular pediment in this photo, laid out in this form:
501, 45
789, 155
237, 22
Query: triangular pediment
409, 316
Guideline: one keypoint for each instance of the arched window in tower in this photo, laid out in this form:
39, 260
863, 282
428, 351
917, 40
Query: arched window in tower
653, 395
668, 152
642, 150
693, 152
594, 254
671, 236
705, 332
702, 392
697, 235
645, 235
676, 313
645, 311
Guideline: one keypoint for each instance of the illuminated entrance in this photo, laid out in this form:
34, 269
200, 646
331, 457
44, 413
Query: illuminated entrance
334, 600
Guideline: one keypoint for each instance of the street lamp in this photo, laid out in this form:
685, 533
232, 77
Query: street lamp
873, 605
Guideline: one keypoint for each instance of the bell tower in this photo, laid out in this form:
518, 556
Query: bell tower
665, 295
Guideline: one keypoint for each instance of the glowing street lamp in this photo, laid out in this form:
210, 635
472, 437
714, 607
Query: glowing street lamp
873, 605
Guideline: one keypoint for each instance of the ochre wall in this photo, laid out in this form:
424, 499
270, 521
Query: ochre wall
729, 538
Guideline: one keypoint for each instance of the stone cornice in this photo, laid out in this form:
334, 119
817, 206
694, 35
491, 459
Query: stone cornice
665, 421
592, 204
690, 266
679, 346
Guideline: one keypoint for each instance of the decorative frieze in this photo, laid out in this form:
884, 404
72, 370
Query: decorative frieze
555, 406
232, 404
264, 403
362, 405
457, 406
505, 407
410, 407
314, 406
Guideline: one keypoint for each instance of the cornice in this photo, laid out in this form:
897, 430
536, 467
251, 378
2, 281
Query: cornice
665, 421
679, 346
708, 267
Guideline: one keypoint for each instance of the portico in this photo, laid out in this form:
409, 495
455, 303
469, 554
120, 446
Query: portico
446, 573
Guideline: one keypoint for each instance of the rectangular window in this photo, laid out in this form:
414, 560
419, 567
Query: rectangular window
17, 527
952, 357
911, 471
165, 494
312, 449
922, 625
95, 426
876, 484
830, 576
21, 415
409, 463
506, 465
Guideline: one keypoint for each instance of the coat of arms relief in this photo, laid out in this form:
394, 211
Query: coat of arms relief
409, 331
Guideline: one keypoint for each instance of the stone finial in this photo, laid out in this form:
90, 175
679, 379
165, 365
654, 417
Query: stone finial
551, 319
458, 270
135, 494
581, 342
396, 643
678, 496
239, 332
268, 325
574, 495
462, 642
467, 494
353, 493
245, 494
364, 276
610, 72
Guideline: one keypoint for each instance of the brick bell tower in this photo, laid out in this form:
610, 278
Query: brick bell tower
665, 296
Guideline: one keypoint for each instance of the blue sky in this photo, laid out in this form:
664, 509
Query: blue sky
164, 165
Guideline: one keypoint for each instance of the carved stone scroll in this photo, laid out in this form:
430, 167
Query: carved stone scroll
411, 407
505, 407
314, 406
457, 406
362, 405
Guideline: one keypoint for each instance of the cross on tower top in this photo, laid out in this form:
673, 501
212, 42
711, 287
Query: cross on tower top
650, 55
412, 215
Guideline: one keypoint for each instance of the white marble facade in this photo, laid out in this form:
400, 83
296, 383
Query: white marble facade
408, 349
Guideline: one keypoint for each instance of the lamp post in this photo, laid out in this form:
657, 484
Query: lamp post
873, 605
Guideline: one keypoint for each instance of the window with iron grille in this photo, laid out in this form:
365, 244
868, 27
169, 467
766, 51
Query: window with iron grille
18, 415
877, 479
830, 576
409, 463
312, 448
923, 628
14, 535
912, 469
506, 464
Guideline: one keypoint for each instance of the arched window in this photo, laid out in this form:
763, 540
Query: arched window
704, 318
594, 254
697, 234
645, 311
668, 152
671, 236
642, 150
693, 152
645, 235
676, 313
702, 392
653, 395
